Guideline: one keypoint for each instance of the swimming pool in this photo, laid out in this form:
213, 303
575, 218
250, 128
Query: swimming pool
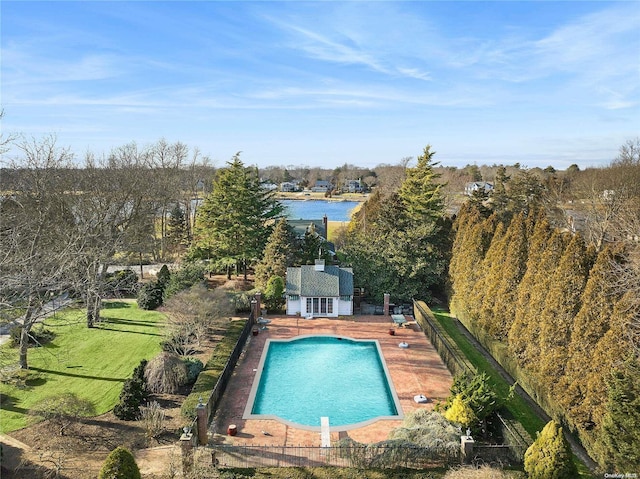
300, 380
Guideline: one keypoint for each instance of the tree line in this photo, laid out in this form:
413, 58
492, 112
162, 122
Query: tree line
564, 303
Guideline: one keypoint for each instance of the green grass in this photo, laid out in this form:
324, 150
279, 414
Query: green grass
92, 363
517, 406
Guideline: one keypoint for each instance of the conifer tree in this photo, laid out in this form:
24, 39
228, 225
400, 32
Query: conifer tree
236, 219
520, 333
399, 243
609, 355
487, 286
177, 228
499, 197
513, 269
549, 456
589, 327
119, 464
421, 193
620, 449
278, 254
562, 304
464, 253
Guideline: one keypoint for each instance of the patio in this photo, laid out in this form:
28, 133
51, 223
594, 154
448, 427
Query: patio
414, 370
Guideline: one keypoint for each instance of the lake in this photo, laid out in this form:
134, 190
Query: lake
316, 209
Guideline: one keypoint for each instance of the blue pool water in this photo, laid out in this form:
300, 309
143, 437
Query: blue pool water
307, 378
316, 209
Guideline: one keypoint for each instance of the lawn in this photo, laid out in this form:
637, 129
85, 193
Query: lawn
92, 363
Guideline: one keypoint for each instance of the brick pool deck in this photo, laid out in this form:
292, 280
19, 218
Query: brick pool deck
414, 370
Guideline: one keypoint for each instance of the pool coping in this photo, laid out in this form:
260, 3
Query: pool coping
344, 427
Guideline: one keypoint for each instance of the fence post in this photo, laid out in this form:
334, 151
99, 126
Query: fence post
466, 446
186, 447
201, 415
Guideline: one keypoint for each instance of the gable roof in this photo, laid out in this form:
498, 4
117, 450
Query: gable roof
332, 282
300, 227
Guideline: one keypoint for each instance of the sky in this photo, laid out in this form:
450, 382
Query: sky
326, 83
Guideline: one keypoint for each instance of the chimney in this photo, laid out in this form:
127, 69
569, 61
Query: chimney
325, 223
386, 304
319, 265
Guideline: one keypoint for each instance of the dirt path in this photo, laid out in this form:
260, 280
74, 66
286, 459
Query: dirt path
576, 447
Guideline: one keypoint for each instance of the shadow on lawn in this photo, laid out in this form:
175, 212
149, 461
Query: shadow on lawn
137, 322
61, 373
8, 404
128, 331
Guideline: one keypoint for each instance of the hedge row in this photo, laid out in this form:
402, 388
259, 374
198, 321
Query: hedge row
208, 377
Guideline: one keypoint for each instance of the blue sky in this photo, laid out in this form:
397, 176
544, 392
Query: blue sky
323, 83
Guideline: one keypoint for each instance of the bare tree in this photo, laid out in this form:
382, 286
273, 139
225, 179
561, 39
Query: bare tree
191, 313
40, 248
110, 202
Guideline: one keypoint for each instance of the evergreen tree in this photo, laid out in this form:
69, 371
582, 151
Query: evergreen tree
278, 254
119, 464
399, 243
466, 263
549, 456
562, 304
311, 248
236, 219
609, 356
620, 450
589, 327
134, 393
177, 228
514, 266
487, 287
499, 197
274, 293
520, 333
421, 193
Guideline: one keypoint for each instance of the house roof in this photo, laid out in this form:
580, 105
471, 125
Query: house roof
300, 227
332, 282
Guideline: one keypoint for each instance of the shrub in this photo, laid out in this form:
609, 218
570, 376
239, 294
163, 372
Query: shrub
460, 412
134, 393
152, 416
194, 367
273, 293
242, 300
119, 464
124, 281
150, 296
549, 457
165, 373
62, 410
183, 278
483, 472
38, 336
163, 276
426, 428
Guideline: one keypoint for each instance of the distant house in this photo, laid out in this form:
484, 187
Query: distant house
469, 188
322, 186
269, 186
352, 186
288, 186
320, 291
317, 227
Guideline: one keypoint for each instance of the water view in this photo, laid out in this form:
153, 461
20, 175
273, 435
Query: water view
316, 209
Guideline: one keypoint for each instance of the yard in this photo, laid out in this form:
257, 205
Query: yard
92, 363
